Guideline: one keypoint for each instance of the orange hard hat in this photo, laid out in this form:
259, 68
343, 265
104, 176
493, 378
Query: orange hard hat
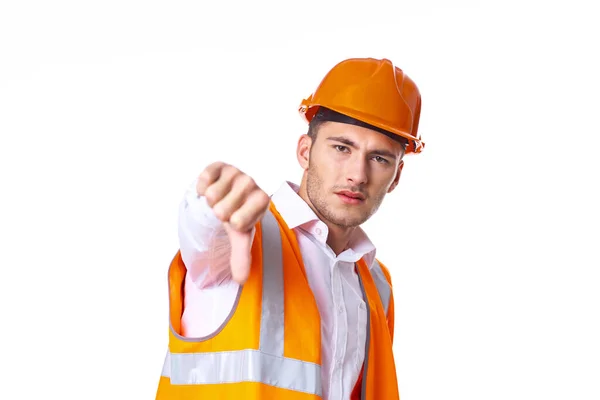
372, 91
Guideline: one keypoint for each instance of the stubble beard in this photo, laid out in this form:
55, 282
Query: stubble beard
316, 193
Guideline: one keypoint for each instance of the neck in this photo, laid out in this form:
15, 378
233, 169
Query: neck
338, 237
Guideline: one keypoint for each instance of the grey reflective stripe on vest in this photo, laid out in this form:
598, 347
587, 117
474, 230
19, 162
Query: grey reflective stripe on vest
267, 364
271, 320
242, 366
383, 286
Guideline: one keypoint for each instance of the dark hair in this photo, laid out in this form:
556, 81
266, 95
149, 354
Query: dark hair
313, 128
324, 114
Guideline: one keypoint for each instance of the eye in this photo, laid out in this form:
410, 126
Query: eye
381, 160
340, 148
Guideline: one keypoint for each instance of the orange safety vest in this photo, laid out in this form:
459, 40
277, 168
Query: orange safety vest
270, 346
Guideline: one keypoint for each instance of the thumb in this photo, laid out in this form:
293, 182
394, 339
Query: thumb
241, 257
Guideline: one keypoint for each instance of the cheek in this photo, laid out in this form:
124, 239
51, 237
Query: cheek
383, 180
329, 176
328, 167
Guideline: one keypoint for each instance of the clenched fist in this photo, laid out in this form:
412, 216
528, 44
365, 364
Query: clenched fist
237, 201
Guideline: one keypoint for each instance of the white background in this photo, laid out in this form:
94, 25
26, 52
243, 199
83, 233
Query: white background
109, 109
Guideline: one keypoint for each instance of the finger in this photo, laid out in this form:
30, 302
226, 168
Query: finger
208, 177
245, 217
241, 254
242, 186
222, 186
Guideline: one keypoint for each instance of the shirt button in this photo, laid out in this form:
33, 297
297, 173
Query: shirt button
340, 309
318, 231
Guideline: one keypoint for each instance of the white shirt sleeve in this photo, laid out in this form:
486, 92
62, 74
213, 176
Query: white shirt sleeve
203, 241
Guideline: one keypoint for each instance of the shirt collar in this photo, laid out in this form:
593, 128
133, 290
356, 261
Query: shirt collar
297, 214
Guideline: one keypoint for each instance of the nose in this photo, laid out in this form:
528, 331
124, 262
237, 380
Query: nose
356, 173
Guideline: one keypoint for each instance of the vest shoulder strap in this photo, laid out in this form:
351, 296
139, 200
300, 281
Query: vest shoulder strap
383, 285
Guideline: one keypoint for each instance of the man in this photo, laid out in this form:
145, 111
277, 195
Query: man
282, 297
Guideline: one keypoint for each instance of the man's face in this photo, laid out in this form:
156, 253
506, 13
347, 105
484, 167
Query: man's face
349, 171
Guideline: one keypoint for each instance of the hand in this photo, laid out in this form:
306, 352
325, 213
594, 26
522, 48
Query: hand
237, 201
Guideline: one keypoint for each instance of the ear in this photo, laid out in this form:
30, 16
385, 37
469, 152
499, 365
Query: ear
303, 151
397, 177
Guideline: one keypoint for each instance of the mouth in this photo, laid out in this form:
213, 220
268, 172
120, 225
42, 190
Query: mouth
351, 197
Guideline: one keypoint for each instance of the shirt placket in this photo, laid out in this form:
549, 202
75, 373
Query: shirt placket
340, 330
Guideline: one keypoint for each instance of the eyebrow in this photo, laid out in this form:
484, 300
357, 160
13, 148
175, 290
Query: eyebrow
348, 142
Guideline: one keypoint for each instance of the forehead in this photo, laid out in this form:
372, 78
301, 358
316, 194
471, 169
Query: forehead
361, 136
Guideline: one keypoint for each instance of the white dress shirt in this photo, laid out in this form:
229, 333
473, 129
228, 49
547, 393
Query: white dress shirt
210, 293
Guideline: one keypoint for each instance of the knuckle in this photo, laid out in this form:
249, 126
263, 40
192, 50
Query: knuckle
241, 220
206, 176
228, 174
220, 212
230, 170
213, 170
245, 181
264, 198
217, 165
236, 221
260, 199
211, 195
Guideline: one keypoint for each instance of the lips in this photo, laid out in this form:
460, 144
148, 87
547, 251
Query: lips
352, 195
346, 199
